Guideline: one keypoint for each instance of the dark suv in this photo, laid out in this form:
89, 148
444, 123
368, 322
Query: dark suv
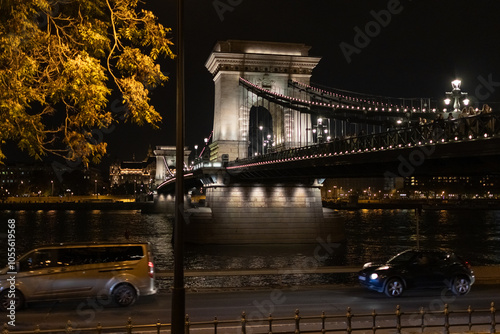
418, 269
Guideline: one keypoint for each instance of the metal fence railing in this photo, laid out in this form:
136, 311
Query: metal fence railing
468, 320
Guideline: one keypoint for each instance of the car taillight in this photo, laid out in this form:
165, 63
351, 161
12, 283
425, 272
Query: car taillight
151, 269
467, 264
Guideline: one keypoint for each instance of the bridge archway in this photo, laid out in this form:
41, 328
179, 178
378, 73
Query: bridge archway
260, 131
270, 66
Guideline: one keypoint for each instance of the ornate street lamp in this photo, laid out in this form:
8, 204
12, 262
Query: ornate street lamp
268, 144
321, 130
457, 96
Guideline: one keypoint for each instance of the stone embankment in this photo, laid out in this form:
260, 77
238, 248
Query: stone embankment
484, 274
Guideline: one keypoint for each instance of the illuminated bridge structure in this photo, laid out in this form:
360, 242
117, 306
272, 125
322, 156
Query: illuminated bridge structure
464, 146
276, 138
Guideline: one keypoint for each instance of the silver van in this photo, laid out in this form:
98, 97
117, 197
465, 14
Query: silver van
122, 272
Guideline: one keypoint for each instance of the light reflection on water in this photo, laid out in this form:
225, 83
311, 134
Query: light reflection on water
370, 235
376, 234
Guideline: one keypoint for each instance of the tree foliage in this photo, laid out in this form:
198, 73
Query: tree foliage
60, 60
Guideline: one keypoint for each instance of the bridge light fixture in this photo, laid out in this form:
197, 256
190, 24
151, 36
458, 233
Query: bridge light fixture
456, 95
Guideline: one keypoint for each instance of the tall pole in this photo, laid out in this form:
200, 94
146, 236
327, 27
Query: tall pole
178, 292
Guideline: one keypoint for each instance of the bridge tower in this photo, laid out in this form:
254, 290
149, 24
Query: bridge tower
242, 121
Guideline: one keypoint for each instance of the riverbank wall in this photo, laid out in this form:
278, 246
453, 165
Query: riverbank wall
346, 275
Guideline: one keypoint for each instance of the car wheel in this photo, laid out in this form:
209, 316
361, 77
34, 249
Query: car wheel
461, 286
5, 300
394, 287
124, 295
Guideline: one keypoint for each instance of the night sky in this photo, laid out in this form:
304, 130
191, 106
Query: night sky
415, 51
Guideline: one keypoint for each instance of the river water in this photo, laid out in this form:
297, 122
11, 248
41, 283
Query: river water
371, 235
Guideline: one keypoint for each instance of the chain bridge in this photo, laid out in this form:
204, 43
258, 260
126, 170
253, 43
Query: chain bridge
276, 137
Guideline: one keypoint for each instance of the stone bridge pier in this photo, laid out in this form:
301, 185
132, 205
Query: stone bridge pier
261, 213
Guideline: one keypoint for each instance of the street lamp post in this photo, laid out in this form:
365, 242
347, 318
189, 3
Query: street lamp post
178, 311
262, 140
52, 184
321, 130
456, 95
268, 143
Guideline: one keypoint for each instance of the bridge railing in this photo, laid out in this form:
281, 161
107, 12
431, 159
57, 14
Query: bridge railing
439, 131
468, 320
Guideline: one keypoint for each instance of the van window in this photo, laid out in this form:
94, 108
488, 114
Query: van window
92, 255
75, 256
44, 258
124, 253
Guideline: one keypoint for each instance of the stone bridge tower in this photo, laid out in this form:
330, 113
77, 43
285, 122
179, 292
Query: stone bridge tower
269, 65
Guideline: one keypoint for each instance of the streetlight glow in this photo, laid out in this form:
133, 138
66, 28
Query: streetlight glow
456, 95
456, 84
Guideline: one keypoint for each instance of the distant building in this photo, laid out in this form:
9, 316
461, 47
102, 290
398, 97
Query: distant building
50, 179
481, 184
27, 178
136, 173
336, 188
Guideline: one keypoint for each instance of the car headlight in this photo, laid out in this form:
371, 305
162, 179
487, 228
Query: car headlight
374, 276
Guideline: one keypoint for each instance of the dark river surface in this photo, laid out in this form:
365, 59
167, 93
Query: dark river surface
370, 235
